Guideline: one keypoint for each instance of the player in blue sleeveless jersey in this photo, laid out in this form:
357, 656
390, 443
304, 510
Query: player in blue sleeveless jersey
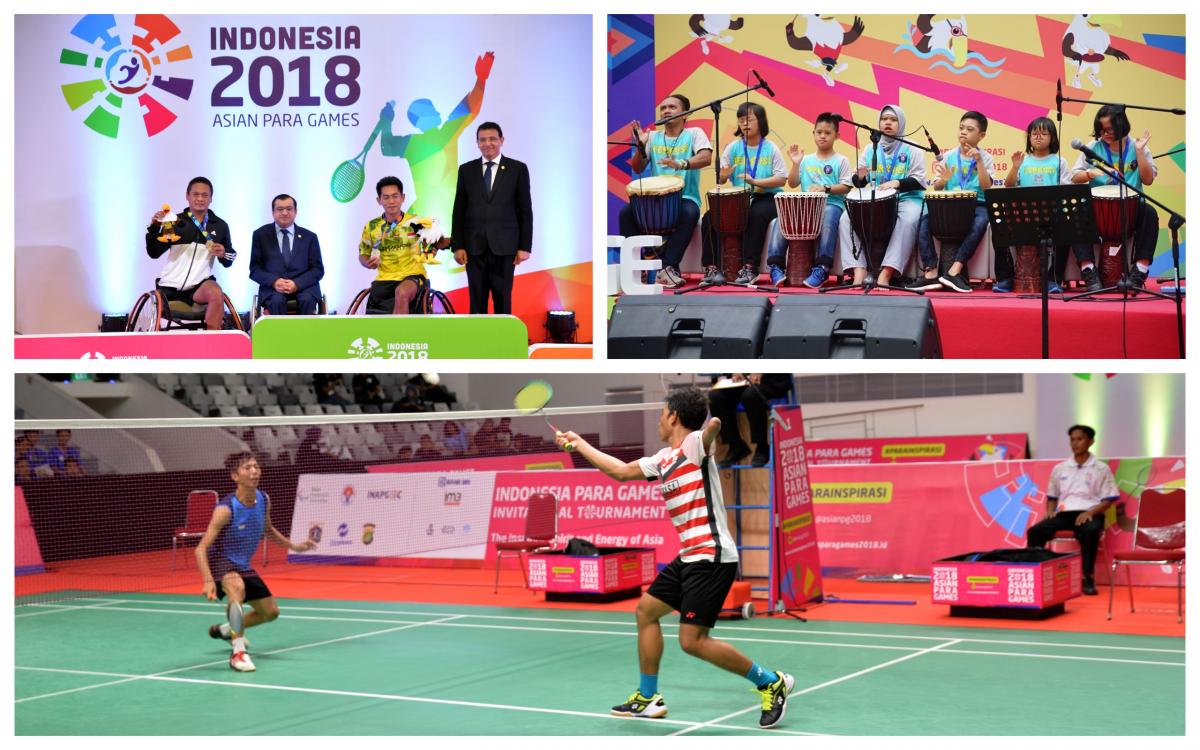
238, 524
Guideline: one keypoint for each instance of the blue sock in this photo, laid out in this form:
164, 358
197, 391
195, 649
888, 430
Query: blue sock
761, 677
648, 685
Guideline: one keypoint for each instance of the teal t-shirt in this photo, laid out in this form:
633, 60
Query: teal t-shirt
760, 162
832, 171
681, 147
1039, 171
902, 163
1128, 152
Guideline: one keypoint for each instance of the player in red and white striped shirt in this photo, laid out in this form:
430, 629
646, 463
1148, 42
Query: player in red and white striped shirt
697, 581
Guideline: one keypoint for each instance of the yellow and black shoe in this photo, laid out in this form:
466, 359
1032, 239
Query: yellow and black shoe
640, 707
774, 699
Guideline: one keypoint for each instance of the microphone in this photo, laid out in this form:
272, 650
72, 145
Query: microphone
763, 84
937, 152
1089, 153
1058, 100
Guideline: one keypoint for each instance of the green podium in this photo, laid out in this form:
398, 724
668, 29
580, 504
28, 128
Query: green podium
390, 337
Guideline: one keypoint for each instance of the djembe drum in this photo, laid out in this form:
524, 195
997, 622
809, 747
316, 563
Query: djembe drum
729, 207
951, 214
655, 203
1027, 274
1115, 217
800, 219
873, 221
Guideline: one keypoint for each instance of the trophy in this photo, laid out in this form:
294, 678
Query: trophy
167, 233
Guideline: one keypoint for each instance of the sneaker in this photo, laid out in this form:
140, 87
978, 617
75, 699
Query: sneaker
670, 278
956, 283
777, 275
761, 457
240, 662
774, 699
817, 277
1002, 286
1089, 587
1137, 277
924, 283
640, 707
1091, 279
1053, 287
214, 631
748, 275
713, 275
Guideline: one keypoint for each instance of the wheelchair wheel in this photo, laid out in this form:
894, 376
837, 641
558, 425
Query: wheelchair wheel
359, 305
437, 303
146, 314
232, 319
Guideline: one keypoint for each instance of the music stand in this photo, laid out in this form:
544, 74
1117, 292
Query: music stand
1046, 217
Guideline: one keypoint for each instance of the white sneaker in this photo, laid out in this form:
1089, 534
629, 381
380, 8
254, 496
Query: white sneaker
240, 662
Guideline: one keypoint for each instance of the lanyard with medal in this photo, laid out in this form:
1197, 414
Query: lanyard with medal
963, 175
887, 166
1113, 162
383, 234
209, 238
753, 168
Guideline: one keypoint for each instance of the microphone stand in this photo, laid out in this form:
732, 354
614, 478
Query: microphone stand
1168, 110
870, 282
1125, 286
715, 106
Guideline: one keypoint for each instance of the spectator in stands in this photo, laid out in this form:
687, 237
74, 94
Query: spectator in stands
430, 391
454, 438
504, 434
485, 437
405, 453
36, 459
23, 472
1078, 496
409, 401
753, 396
426, 450
364, 384
333, 391
64, 452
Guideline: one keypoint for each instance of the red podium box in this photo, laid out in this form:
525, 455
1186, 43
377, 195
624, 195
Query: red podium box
617, 573
1006, 589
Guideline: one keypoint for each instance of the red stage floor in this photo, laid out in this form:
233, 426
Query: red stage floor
985, 325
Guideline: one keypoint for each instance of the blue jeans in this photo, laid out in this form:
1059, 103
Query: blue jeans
929, 255
777, 250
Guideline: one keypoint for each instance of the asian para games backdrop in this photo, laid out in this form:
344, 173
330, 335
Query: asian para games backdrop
115, 113
935, 67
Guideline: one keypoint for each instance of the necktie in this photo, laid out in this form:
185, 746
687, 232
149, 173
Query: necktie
487, 177
287, 247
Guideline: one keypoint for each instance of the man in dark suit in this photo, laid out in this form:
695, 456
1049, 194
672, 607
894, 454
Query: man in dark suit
285, 260
493, 221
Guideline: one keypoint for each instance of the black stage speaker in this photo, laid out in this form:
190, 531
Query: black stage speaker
837, 326
669, 326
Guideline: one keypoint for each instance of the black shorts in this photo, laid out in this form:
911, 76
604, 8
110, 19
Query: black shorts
171, 294
382, 299
697, 589
255, 588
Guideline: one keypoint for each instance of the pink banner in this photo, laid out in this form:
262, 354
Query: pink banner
25, 543
797, 578
888, 519
997, 584
1006, 447
519, 462
591, 506
173, 345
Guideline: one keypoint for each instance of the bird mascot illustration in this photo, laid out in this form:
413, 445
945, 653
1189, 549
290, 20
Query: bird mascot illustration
709, 27
1086, 43
825, 38
949, 34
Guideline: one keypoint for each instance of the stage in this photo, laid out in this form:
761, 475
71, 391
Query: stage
986, 325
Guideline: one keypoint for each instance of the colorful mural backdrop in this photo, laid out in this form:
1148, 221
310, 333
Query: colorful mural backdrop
934, 66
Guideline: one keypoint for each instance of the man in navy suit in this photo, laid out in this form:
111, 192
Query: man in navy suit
285, 260
493, 221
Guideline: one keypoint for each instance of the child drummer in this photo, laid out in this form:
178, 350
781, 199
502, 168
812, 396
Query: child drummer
898, 167
674, 150
825, 171
1132, 160
968, 168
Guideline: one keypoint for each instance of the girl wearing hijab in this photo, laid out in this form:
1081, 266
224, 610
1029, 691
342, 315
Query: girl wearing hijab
898, 167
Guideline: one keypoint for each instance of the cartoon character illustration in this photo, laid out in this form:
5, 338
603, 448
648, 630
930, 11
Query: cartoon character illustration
707, 27
949, 34
825, 37
1087, 44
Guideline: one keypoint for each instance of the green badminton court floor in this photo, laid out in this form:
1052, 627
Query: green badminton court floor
143, 664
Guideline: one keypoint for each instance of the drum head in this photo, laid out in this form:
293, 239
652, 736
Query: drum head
864, 194
1112, 192
949, 194
655, 185
728, 190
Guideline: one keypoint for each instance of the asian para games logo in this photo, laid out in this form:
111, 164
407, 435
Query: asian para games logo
126, 72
